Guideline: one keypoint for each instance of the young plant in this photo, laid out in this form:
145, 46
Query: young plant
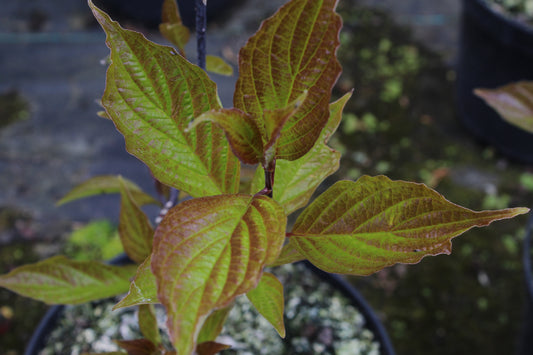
210, 249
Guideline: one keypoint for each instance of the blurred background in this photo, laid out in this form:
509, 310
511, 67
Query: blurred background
413, 65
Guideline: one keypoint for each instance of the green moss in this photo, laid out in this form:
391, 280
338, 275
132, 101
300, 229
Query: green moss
98, 240
13, 108
479, 286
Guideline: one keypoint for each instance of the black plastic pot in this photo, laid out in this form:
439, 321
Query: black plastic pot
372, 322
526, 337
494, 50
149, 12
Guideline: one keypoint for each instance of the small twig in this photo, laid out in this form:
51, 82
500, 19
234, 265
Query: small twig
269, 180
201, 24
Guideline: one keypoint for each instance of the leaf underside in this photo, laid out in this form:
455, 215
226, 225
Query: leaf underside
209, 250
362, 227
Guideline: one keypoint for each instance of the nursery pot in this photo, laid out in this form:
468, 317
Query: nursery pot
337, 283
149, 12
526, 337
494, 50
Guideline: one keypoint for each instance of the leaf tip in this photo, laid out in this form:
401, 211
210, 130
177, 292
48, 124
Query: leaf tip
520, 210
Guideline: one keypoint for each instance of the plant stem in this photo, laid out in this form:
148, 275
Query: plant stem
201, 24
269, 178
268, 190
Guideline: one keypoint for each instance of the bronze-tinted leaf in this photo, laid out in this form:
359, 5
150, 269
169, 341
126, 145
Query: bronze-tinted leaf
293, 51
209, 250
210, 348
59, 280
138, 346
152, 94
296, 181
364, 226
135, 229
242, 131
514, 102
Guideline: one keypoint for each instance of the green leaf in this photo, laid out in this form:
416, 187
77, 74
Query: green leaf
134, 228
59, 280
514, 102
267, 298
209, 250
152, 94
242, 132
362, 227
210, 348
143, 288
107, 184
293, 51
296, 181
289, 254
217, 65
213, 324
148, 323
172, 28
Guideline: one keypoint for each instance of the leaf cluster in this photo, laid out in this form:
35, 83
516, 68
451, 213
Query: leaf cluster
211, 248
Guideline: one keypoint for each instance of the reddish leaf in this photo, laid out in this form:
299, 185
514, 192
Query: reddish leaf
292, 52
210, 348
152, 94
138, 347
242, 132
59, 280
514, 102
296, 181
135, 229
209, 250
362, 227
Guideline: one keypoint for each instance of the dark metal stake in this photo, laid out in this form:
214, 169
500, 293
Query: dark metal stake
201, 24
